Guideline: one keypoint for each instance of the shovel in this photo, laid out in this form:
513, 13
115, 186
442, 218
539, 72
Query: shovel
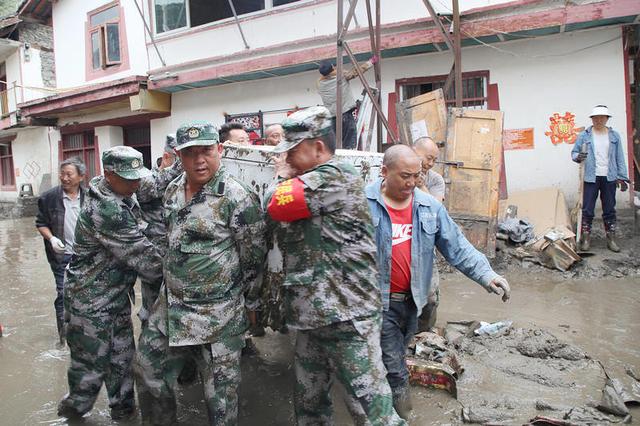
577, 210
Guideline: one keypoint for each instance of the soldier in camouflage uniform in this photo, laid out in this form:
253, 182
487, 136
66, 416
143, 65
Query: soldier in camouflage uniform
330, 294
216, 250
110, 250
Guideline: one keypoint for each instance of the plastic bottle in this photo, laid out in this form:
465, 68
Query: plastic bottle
489, 329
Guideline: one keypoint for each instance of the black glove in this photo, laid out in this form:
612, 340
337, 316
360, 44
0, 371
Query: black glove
581, 157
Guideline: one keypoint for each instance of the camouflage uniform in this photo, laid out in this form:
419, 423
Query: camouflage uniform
330, 292
109, 252
215, 252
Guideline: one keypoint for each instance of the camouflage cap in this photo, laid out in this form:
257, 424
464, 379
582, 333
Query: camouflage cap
196, 133
307, 123
125, 161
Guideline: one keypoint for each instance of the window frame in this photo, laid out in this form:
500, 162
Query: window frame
83, 151
268, 8
107, 66
12, 185
440, 78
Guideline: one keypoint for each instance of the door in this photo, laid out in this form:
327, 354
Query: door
423, 115
474, 138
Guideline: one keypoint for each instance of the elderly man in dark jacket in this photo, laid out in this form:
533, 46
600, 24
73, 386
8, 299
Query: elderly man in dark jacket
58, 210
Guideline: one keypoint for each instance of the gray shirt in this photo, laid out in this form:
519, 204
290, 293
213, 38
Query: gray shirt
327, 89
71, 212
435, 185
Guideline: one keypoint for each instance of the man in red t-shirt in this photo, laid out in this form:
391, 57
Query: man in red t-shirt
409, 225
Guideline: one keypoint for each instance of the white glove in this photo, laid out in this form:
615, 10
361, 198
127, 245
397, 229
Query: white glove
57, 245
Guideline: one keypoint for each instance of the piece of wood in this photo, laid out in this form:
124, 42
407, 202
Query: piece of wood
428, 111
474, 137
150, 101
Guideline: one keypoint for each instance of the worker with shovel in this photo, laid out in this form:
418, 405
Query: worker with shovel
604, 170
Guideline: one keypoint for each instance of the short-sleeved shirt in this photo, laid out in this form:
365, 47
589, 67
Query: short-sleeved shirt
401, 228
435, 184
71, 212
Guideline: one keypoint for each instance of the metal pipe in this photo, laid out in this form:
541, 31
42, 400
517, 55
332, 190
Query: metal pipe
235, 16
378, 76
146, 26
364, 82
438, 23
347, 21
339, 76
458, 53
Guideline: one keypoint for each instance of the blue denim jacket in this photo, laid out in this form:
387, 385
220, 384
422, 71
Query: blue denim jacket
617, 164
432, 228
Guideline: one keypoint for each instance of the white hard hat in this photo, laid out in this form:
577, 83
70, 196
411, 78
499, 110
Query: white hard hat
600, 110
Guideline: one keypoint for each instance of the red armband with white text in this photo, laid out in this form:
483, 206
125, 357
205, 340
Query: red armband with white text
287, 203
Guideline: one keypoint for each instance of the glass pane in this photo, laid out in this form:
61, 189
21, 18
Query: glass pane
104, 16
205, 11
137, 136
72, 141
281, 2
90, 162
170, 14
4, 150
113, 43
95, 50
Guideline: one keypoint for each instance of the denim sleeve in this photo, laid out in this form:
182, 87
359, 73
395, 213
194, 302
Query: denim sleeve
620, 162
577, 146
460, 253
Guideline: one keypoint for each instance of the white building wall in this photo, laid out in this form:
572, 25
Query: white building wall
14, 79
35, 161
541, 77
69, 20
287, 24
32, 76
108, 137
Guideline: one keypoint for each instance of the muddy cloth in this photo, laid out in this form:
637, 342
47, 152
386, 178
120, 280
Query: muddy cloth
518, 230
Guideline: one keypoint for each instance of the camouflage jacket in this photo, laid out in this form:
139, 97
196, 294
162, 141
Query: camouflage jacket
216, 249
150, 195
109, 252
329, 258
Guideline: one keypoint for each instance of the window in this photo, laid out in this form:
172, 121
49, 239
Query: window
82, 146
474, 88
174, 14
104, 36
7, 178
139, 138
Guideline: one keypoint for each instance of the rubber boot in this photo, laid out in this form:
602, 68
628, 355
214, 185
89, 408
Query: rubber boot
62, 331
402, 403
612, 243
585, 241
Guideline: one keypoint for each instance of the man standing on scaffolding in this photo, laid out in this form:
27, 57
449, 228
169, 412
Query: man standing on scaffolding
328, 88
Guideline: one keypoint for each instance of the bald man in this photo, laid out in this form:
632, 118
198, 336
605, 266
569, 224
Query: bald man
430, 181
409, 224
273, 135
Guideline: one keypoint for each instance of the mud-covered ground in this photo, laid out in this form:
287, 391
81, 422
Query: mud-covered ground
593, 308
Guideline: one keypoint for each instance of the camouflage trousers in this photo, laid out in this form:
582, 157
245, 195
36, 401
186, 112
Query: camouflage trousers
351, 352
158, 366
149, 294
102, 350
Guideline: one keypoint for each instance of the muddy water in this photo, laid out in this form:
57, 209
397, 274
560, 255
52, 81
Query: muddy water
602, 317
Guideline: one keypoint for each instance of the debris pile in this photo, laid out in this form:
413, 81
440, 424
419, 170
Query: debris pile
471, 359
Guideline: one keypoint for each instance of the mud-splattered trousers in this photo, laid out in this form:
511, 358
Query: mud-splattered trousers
158, 366
351, 352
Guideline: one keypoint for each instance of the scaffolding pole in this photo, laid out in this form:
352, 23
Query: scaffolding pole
342, 48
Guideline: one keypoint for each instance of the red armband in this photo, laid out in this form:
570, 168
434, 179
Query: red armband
287, 203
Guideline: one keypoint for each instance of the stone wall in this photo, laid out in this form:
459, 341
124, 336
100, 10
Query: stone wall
40, 37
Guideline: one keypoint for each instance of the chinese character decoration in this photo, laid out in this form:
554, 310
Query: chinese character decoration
563, 128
